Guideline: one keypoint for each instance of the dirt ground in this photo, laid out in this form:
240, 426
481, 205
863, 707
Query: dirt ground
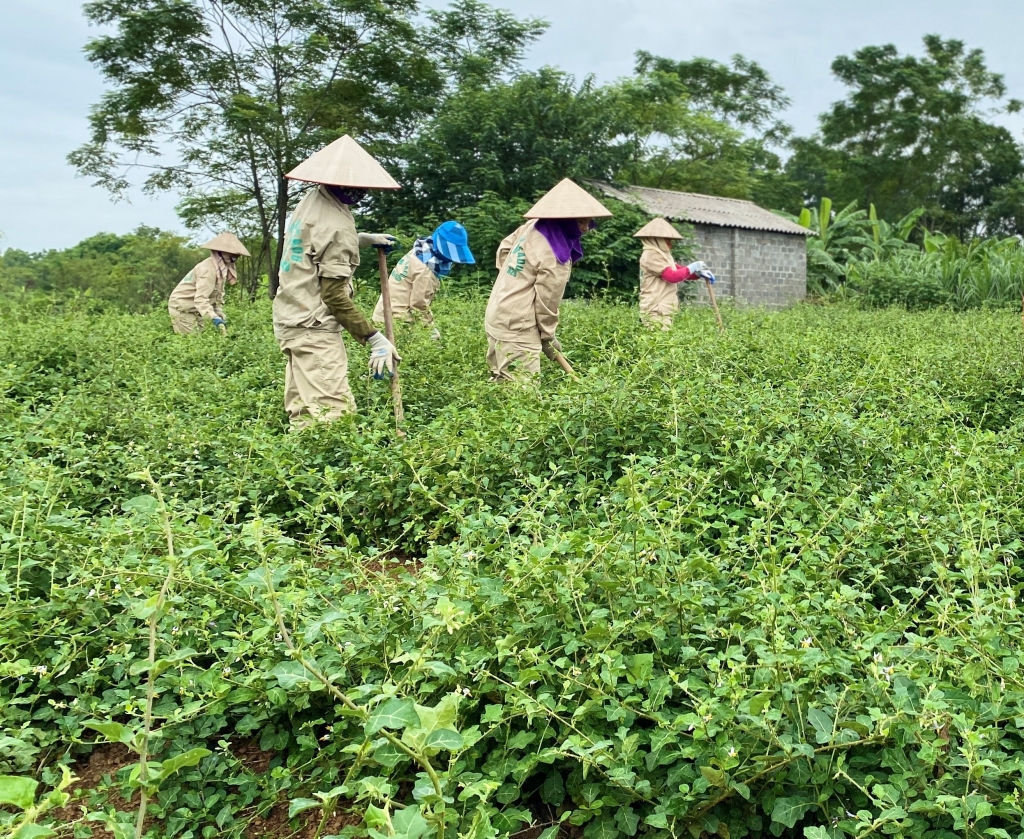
97, 773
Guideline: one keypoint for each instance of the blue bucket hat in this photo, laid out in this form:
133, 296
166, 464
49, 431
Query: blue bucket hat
451, 241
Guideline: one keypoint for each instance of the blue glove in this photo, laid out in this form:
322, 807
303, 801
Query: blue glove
219, 321
707, 275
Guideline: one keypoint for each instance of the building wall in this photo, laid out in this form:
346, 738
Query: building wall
753, 267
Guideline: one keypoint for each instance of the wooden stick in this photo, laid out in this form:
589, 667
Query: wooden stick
389, 331
560, 360
714, 305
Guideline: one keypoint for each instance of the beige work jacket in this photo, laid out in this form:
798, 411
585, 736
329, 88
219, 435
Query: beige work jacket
320, 243
657, 297
201, 291
529, 288
412, 285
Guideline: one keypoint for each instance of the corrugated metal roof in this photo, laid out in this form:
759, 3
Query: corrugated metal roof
704, 209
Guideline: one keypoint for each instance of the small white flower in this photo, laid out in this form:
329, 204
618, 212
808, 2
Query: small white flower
117, 586
807, 642
39, 670
92, 592
226, 672
732, 752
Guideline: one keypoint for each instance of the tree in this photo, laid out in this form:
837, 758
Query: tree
915, 132
701, 126
512, 139
219, 99
133, 271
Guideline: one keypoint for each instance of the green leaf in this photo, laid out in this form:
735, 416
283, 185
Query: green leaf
641, 668
822, 723
443, 715
113, 732
552, 791
33, 831
627, 820
788, 811
18, 792
715, 777
290, 674
395, 714
189, 758
816, 833
300, 805
444, 739
602, 828
145, 504
388, 756
409, 823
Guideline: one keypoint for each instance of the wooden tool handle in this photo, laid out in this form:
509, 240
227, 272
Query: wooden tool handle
389, 331
714, 305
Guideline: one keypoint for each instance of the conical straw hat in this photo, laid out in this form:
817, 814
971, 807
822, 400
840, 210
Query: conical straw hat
344, 163
658, 229
567, 200
226, 243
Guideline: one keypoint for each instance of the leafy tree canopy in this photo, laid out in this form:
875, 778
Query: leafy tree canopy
220, 99
917, 132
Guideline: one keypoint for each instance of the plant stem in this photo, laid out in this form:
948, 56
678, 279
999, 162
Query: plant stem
154, 620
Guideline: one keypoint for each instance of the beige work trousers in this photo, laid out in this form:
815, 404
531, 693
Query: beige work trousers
316, 387
657, 320
512, 360
185, 323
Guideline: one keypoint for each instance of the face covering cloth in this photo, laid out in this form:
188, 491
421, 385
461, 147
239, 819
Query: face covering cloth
564, 237
226, 269
425, 253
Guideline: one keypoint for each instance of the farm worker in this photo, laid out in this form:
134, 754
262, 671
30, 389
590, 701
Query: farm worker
417, 276
201, 293
534, 265
314, 299
660, 276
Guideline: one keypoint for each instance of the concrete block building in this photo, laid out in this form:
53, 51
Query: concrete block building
758, 258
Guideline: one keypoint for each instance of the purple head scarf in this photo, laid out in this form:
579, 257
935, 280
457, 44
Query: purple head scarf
563, 234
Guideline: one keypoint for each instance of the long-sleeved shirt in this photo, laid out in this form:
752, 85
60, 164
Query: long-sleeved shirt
412, 285
321, 253
524, 302
657, 295
201, 291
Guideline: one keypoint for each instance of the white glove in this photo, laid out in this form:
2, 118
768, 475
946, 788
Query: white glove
435, 334
697, 268
377, 240
552, 343
383, 356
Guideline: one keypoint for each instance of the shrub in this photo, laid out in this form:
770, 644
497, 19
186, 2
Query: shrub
718, 586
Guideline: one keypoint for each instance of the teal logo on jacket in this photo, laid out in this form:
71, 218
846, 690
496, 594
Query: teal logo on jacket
293, 251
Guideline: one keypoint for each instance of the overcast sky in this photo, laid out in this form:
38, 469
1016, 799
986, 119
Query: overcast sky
46, 87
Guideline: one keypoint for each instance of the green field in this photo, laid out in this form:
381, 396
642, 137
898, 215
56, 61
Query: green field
762, 583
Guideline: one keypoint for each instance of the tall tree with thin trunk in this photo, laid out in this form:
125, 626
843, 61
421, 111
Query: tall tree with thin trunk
219, 99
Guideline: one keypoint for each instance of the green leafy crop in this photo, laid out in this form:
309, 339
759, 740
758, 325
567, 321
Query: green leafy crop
759, 583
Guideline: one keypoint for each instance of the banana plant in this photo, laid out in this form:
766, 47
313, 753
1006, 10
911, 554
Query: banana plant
838, 238
887, 239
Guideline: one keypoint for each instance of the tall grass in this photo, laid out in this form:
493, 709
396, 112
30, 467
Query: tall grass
990, 275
